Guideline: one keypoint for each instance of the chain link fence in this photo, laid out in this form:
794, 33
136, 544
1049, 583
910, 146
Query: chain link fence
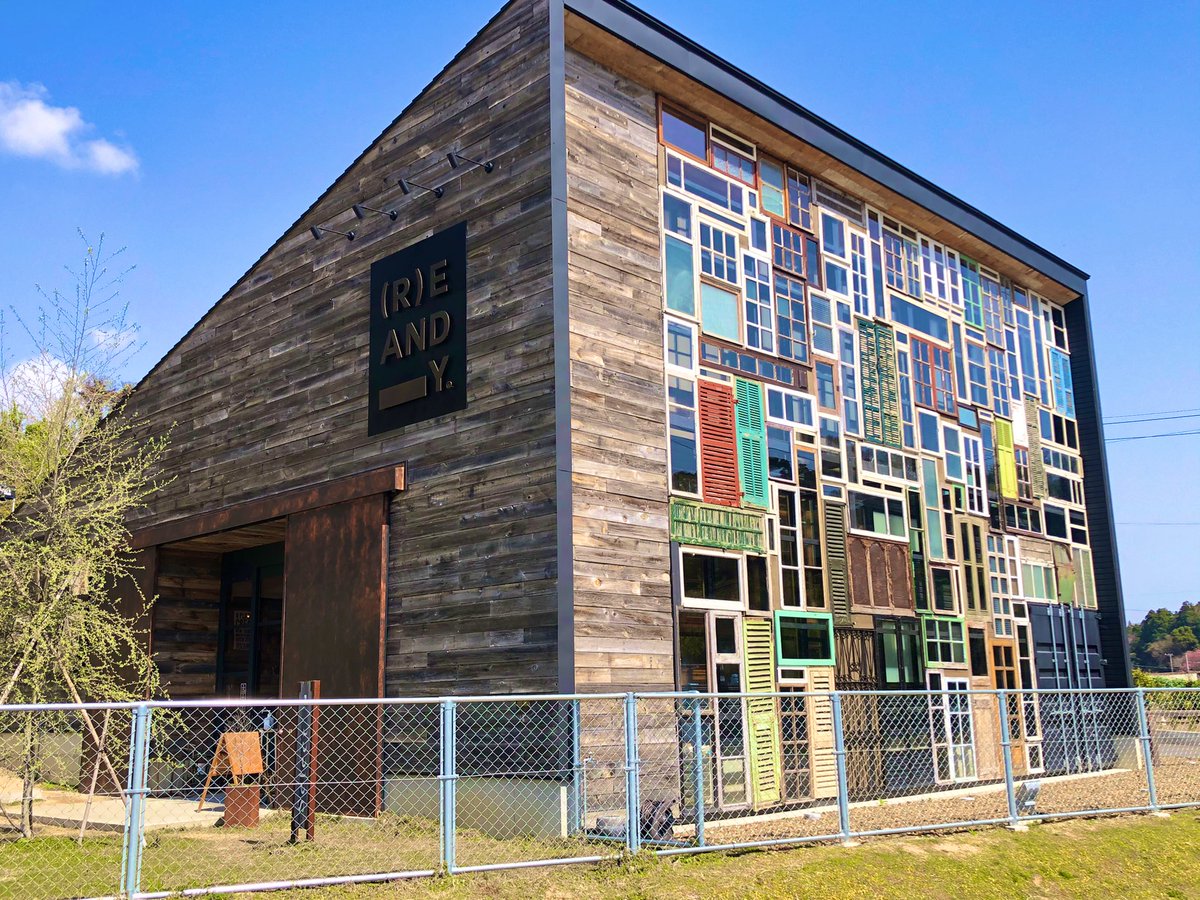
149, 800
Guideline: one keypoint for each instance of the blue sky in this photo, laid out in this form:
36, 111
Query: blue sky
195, 135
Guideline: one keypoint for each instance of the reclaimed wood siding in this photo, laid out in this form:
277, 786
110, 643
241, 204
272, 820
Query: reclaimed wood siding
269, 391
623, 633
187, 619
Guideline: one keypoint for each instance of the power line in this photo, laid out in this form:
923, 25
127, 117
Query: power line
1146, 437
1151, 419
1158, 523
1165, 412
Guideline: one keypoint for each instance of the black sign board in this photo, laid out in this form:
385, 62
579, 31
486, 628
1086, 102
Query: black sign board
419, 332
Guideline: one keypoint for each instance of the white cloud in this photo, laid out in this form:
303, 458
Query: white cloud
31, 126
34, 385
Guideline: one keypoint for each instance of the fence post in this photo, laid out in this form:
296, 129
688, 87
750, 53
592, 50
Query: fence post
1006, 751
576, 810
839, 756
139, 751
633, 819
698, 767
447, 783
1147, 754
304, 792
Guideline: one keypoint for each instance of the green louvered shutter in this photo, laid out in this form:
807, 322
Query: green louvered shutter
1006, 461
1064, 573
752, 444
835, 560
889, 380
1037, 467
766, 769
869, 366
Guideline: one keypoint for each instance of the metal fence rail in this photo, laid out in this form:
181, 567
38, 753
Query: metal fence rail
153, 799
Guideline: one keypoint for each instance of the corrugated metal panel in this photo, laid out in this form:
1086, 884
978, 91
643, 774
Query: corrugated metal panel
718, 445
752, 444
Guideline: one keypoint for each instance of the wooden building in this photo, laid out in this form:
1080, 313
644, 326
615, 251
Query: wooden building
684, 389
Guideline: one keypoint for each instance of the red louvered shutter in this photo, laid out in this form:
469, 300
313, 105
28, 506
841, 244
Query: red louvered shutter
718, 445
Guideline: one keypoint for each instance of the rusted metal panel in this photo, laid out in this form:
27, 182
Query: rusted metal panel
377, 481
333, 632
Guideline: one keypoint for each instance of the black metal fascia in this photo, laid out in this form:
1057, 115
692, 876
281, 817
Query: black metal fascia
648, 34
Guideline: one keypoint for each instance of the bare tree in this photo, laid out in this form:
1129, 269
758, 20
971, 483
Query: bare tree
72, 470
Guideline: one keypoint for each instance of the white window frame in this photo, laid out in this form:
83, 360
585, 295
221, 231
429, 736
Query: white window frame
942, 713
704, 602
887, 498
693, 327
786, 393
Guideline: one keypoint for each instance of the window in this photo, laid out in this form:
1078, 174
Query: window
1022, 518
933, 379
789, 408
997, 362
1056, 521
977, 376
719, 313
951, 729
758, 591
780, 464
826, 393
972, 300
718, 253
886, 464
803, 639
1056, 325
760, 317
901, 258
944, 594
1038, 581
705, 184
736, 163
681, 402
833, 236
1024, 484
1060, 376
790, 318
951, 440
859, 280
931, 438
973, 464
677, 216
1002, 574
711, 577
979, 654
680, 346
684, 134
877, 515
810, 530
993, 312
899, 644
944, 642
788, 249
831, 448
680, 276
789, 549
799, 196
770, 176
822, 324
920, 319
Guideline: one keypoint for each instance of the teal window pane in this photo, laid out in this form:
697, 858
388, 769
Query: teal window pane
681, 277
719, 313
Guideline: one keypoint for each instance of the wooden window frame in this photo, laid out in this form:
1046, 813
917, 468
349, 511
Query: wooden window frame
689, 117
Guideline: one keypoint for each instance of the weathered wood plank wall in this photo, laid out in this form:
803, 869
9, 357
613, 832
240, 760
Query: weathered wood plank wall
269, 391
623, 624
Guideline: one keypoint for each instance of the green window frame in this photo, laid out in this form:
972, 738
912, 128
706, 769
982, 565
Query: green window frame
790, 662
938, 632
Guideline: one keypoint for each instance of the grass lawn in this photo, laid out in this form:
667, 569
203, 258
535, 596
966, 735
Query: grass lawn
1126, 857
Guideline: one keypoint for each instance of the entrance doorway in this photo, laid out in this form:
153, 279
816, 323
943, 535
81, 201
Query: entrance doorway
250, 639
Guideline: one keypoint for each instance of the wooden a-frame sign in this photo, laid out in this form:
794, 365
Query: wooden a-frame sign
238, 753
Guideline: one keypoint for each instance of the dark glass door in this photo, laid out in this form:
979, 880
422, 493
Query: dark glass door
250, 645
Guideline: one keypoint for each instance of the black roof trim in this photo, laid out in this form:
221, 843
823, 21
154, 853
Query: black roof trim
636, 27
